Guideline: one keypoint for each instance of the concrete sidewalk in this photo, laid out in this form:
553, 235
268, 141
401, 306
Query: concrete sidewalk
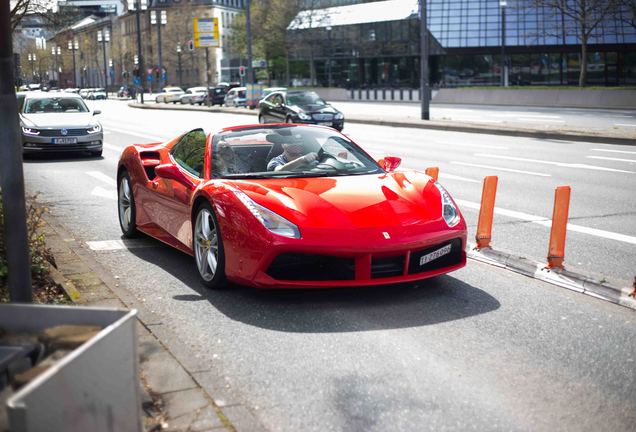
177, 393
607, 136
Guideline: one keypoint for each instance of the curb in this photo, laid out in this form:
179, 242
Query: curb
433, 125
559, 277
67, 286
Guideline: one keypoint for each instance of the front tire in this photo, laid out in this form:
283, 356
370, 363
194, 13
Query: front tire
208, 249
126, 206
261, 119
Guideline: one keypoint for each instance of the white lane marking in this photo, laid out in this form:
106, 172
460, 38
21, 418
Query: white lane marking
625, 124
454, 177
488, 146
106, 132
102, 177
541, 120
560, 164
110, 245
547, 222
526, 115
139, 134
104, 193
478, 119
611, 159
613, 151
501, 169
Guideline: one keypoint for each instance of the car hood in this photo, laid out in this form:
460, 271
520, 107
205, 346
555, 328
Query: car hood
57, 120
401, 203
314, 109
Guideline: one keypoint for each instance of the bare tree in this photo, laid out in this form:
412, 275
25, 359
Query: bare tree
586, 15
627, 12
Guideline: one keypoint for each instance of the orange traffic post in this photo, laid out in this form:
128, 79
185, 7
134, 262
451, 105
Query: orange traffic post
556, 252
432, 172
486, 212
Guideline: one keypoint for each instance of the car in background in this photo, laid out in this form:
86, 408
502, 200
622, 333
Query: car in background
236, 97
84, 92
123, 92
269, 90
95, 94
20, 99
219, 91
59, 123
71, 90
169, 94
299, 106
194, 95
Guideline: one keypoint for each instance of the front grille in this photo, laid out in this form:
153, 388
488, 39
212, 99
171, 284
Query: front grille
449, 259
323, 117
58, 132
296, 266
387, 266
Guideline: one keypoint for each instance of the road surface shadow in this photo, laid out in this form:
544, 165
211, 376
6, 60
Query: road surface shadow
432, 301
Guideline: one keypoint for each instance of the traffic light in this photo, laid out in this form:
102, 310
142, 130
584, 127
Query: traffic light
190, 45
242, 71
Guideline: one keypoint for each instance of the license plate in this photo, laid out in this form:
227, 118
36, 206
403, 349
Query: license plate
325, 123
425, 259
64, 140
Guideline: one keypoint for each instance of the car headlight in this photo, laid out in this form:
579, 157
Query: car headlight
94, 129
449, 211
304, 116
273, 222
338, 116
30, 131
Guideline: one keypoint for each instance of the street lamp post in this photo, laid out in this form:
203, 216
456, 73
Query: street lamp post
56, 52
111, 70
179, 63
504, 64
73, 45
138, 6
32, 59
160, 20
103, 36
328, 28
424, 84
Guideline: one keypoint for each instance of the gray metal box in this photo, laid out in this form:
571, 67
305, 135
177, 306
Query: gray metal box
94, 388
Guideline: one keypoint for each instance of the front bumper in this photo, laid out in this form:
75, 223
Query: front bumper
39, 144
336, 124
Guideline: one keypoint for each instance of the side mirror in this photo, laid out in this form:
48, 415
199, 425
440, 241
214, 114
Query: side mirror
172, 172
390, 163
97, 112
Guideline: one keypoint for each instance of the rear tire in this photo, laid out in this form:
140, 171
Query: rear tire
261, 119
126, 206
289, 120
207, 245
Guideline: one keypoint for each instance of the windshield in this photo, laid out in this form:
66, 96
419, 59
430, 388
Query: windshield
305, 98
267, 153
54, 105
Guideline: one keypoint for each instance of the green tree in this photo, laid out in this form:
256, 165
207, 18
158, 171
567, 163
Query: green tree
269, 21
586, 15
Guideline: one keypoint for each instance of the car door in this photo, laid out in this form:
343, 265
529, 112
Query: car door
173, 196
277, 112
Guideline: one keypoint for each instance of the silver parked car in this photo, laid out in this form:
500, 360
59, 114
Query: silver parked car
60, 122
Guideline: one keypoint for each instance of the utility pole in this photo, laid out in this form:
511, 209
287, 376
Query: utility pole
179, 63
103, 36
424, 84
160, 18
11, 173
248, 32
73, 45
504, 64
207, 73
138, 6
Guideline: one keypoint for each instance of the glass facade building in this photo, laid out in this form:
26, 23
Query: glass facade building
541, 44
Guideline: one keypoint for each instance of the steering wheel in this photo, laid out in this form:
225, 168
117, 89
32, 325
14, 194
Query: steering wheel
327, 162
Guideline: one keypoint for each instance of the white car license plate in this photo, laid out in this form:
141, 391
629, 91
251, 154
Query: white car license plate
425, 259
64, 140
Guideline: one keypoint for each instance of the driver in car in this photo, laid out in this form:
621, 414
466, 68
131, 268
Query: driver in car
294, 156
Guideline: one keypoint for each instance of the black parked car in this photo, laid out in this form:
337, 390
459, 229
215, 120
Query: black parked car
219, 91
299, 107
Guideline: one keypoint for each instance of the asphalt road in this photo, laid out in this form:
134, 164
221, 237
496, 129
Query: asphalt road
614, 121
480, 349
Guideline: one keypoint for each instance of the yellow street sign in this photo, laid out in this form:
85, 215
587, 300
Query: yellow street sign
206, 32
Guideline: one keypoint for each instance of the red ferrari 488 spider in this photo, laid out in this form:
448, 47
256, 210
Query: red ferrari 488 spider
289, 206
